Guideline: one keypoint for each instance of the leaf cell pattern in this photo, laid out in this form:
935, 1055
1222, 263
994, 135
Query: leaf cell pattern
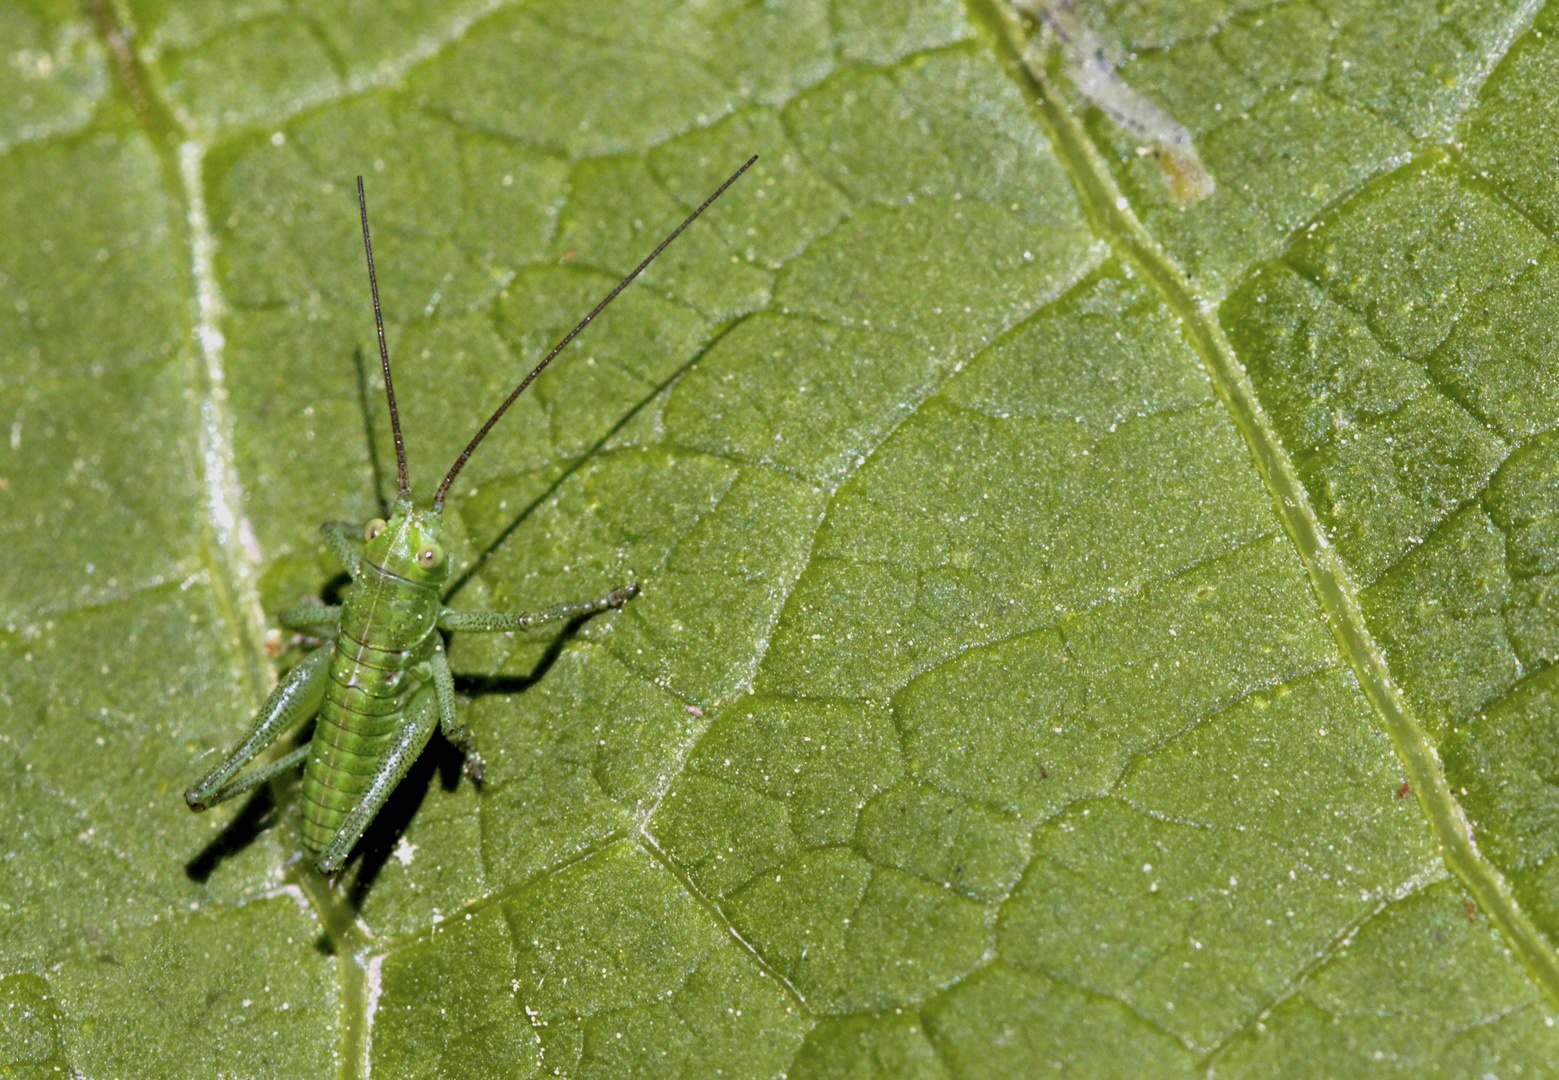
987, 709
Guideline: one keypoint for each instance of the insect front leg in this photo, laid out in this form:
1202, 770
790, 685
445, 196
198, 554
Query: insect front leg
421, 719
456, 732
294, 700
310, 618
341, 538
494, 621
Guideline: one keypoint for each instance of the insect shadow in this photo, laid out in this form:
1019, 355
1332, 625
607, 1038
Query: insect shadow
446, 760
264, 809
482, 557
383, 686
441, 762
252, 821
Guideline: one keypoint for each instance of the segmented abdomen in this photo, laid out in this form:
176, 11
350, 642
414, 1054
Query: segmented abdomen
365, 699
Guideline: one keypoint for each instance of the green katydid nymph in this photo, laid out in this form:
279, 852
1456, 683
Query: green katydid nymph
383, 683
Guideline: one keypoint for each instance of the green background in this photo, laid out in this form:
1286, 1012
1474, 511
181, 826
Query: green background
1079, 635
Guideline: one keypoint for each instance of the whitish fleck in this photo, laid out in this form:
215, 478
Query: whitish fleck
293, 893
375, 979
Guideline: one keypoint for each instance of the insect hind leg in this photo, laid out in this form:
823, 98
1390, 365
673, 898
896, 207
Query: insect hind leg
295, 699
254, 778
421, 719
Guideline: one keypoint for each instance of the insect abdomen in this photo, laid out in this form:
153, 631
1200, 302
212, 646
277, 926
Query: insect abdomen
346, 751
365, 697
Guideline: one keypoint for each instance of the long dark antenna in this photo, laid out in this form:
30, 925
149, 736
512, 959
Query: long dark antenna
443, 489
384, 353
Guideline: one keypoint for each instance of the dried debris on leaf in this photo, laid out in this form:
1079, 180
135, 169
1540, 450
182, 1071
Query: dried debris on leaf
1090, 64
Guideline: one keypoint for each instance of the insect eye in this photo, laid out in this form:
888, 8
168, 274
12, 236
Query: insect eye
375, 527
430, 556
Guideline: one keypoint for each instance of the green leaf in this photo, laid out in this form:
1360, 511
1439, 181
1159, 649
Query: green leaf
1080, 632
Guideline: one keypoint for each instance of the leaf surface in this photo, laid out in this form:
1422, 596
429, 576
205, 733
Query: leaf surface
1079, 632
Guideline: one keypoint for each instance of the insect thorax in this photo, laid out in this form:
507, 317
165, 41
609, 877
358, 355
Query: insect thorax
393, 603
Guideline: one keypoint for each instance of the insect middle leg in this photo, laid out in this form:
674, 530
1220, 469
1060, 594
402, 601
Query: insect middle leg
421, 719
295, 699
494, 621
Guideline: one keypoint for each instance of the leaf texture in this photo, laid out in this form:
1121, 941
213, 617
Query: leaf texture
1080, 633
